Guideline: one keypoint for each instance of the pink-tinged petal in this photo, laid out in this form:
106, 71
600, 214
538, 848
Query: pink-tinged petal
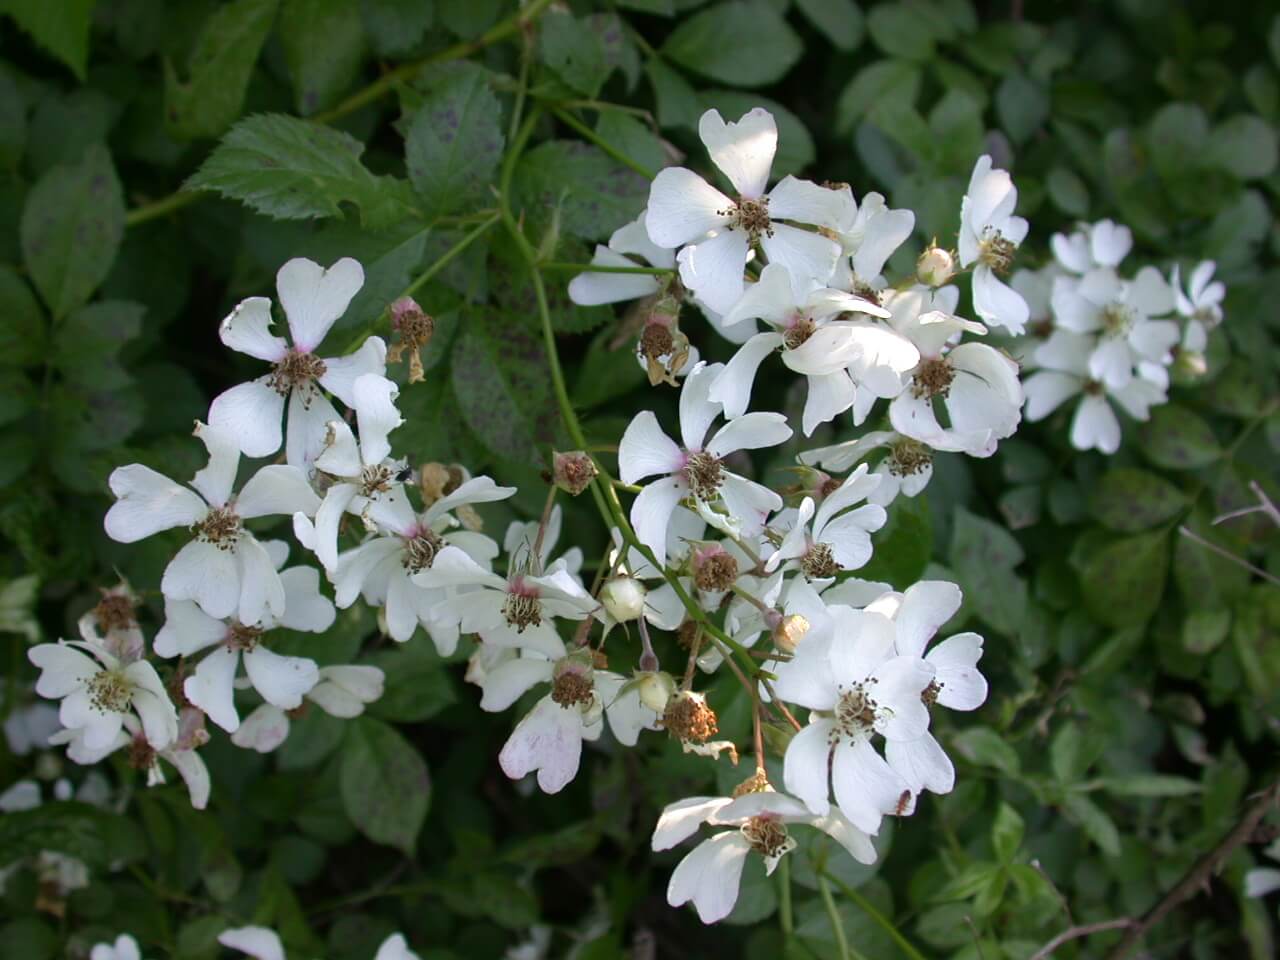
743, 150
680, 820
646, 450
865, 786
305, 607
683, 208
548, 740
925, 607
263, 730
508, 682
209, 576
713, 269
276, 489
282, 681
258, 942
247, 329
651, 513
194, 774
376, 415
956, 661
806, 202
341, 373
829, 396
922, 763
806, 763
211, 687
998, 303
314, 298
591, 289
1095, 426
751, 431
250, 413
1047, 390
148, 502
810, 257
710, 876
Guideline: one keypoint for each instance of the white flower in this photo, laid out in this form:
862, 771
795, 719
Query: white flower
313, 299
224, 568
1200, 304
976, 384
340, 691
280, 680
395, 948
365, 478
957, 684
257, 942
840, 538
990, 234
1120, 313
181, 753
632, 239
717, 232
709, 874
521, 538
906, 466
868, 236
124, 948
113, 624
382, 569
855, 685
1093, 245
826, 350
97, 690
696, 470
1064, 359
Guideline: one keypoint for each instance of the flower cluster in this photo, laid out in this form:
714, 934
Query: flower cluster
1108, 339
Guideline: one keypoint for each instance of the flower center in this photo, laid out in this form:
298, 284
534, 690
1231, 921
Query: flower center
768, 836
751, 216
240, 637
110, 691
995, 251
297, 371
420, 551
716, 572
522, 608
933, 378
114, 612
1117, 320
572, 688
1093, 388
798, 331
908, 457
818, 563
929, 695
855, 714
376, 480
688, 717
704, 473
656, 341
220, 526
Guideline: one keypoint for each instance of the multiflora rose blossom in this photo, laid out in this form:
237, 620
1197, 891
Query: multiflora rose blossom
990, 234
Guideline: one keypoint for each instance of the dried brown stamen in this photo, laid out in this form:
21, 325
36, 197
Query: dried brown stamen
715, 572
522, 609
572, 688
375, 480
688, 717
656, 341
929, 695
819, 563
221, 527
241, 637
933, 378
798, 332
758, 782
704, 474
115, 611
908, 457
297, 371
995, 251
750, 215
767, 835
420, 551
855, 713
109, 691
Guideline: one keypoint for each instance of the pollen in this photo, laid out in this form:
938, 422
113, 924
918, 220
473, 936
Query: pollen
1117, 320
240, 637
995, 251
705, 473
933, 378
522, 607
420, 551
908, 457
855, 713
751, 216
656, 341
297, 371
715, 573
109, 691
221, 527
572, 689
768, 836
798, 332
689, 718
375, 480
819, 563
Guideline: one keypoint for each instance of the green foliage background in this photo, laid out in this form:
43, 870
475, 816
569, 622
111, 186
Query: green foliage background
159, 160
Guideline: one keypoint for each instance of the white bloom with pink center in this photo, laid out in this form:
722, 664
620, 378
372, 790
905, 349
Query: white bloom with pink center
313, 299
716, 233
990, 235
224, 568
823, 540
696, 470
711, 872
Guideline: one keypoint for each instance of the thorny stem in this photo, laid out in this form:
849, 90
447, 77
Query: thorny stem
1074, 933
1227, 555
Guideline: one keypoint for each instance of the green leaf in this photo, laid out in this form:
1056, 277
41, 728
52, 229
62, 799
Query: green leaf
1129, 500
840, 21
72, 225
1123, 582
985, 747
1204, 630
323, 44
87, 344
396, 26
744, 43
1096, 824
22, 328
900, 32
1022, 105
1069, 756
677, 101
61, 28
76, 829
606, 371
28, 938
1006, 833
574, 51
502, 385
13, 124
903, 545
1150, 785
218, 70
1245, 145
885, 82
289, 169
385, 785
417, 684
983, 554
454, 143
1177, 439
595, 194
1068, 192
18, 607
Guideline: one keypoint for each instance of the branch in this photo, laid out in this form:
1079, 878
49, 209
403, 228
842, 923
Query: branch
1074, 933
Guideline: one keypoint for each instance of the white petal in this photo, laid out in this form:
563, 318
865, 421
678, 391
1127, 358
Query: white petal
251, 413
748, 503
314, 298
898, 686
307, 428
884, 233
841, 829
697, 409
849, 535
806, 202
508, 682
683, 208
247, 329
751, 431
341, 373
770, 298
864, 640
805, 765
324, 539
1109, 243
922, 763
743, 150
194, 774
1261, 881
710, 876
591, 289
263, 730
1095, 426
276, 489
733, 386
680, 820
395, 948
828, 397
157, 713
211, 688
548, 740
1072, 251
713, 268
865, 786
148, 502
809, 256
282, 681
1046, 390
258, 942
925, 607
207, 575
646, 450
997, 303
63, 669
305, 608
261, 591
475, 490
651, 514
956, 661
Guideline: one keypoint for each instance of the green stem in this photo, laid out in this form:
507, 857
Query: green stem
784, 898
601, 268
837, 926
570, 120
159, 208
881, 920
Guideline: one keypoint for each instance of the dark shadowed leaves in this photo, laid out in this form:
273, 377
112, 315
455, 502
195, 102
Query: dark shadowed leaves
385, 785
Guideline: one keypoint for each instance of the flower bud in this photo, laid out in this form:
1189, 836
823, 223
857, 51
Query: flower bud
1189, 365
789, 631
935, 266
623, 598
655, 690
572, 472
